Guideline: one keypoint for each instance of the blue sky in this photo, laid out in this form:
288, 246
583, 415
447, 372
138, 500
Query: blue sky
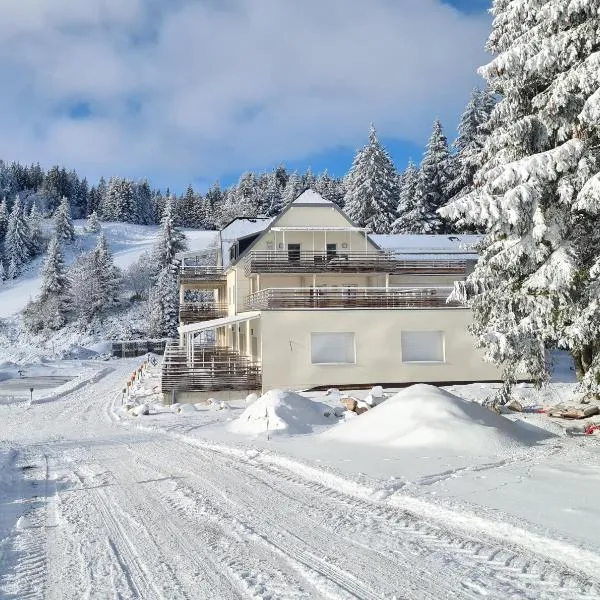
194, 90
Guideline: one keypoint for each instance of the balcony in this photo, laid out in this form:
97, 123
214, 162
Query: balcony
196, 312
200, 274
301, 261
207, 368
350, 298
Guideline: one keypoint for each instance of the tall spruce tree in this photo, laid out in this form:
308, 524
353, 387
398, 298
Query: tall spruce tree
434, 182
469, 157
18, 247
34, 221
163, 305
3, 221
537, 282
372, 188
54, 282
410, 219
170, 240
107, 276
63, 223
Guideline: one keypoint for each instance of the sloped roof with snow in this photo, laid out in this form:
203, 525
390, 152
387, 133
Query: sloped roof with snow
241, 227
311, 197
419, 244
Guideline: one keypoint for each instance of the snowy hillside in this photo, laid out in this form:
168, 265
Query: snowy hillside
126, 241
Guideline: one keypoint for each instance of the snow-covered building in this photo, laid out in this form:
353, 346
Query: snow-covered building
309, 299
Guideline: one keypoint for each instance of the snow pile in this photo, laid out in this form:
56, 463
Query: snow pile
282, 412
423, 416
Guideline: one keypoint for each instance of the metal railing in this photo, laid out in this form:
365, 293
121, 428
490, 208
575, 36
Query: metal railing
212, 368
195, 312
201, 273
350, 298
302, 261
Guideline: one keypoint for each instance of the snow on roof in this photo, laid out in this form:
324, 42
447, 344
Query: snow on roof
242, 227
311, 197
428, 244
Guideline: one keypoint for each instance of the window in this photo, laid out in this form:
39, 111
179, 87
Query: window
331, 251
293, 251
423, 346
332, 348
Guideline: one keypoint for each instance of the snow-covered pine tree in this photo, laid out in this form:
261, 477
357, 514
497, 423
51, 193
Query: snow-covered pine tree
247, 198
53, 274
93, 224
331, 189
434, 182
142, 207
3, 273
410, 219
212, 206
63, 224
34, 221
163, 305
107, 276
170, 240
273, 197
372, 187
472, 133
3, 221
292, 189
308, 181
18, 247
536, 284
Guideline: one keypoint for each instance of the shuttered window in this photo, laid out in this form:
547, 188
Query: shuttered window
332, 348
423, 346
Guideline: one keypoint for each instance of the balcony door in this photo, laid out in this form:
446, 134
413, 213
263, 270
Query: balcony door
293, 251
331, 251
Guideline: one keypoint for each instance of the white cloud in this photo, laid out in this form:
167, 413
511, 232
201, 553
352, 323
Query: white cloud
224, 85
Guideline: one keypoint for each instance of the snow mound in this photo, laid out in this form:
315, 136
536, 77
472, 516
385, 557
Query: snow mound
282, 412
424, 416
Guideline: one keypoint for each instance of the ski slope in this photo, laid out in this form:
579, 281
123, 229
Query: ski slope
94, 506
126, 241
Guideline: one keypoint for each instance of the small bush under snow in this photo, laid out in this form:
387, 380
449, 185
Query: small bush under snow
282, 412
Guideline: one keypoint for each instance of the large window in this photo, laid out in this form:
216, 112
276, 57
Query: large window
423, 346
332, 348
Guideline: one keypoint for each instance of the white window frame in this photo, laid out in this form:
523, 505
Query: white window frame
424, 362
322, 333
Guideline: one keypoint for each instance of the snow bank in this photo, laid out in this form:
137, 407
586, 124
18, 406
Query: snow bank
423, 416
282, 412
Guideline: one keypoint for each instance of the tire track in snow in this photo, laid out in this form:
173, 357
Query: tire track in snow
292, 523
513, 568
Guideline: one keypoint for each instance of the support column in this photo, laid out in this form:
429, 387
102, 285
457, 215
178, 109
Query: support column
248, 340
387, 281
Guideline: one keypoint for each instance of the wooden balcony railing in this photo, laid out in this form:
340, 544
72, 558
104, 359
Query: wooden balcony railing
195, 312
209, 368
283, 261
350, 298
193, 273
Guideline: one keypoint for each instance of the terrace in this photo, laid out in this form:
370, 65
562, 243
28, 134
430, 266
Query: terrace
207, 368
350, 298
295, 260
196, 312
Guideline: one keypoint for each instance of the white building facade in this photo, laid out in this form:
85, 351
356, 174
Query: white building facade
309, 299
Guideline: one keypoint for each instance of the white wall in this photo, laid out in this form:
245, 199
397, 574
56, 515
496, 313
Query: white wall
286, 352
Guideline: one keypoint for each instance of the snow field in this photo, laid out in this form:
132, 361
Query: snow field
126, 241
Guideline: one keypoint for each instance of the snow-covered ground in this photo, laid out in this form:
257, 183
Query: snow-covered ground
285, 497
125, 240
